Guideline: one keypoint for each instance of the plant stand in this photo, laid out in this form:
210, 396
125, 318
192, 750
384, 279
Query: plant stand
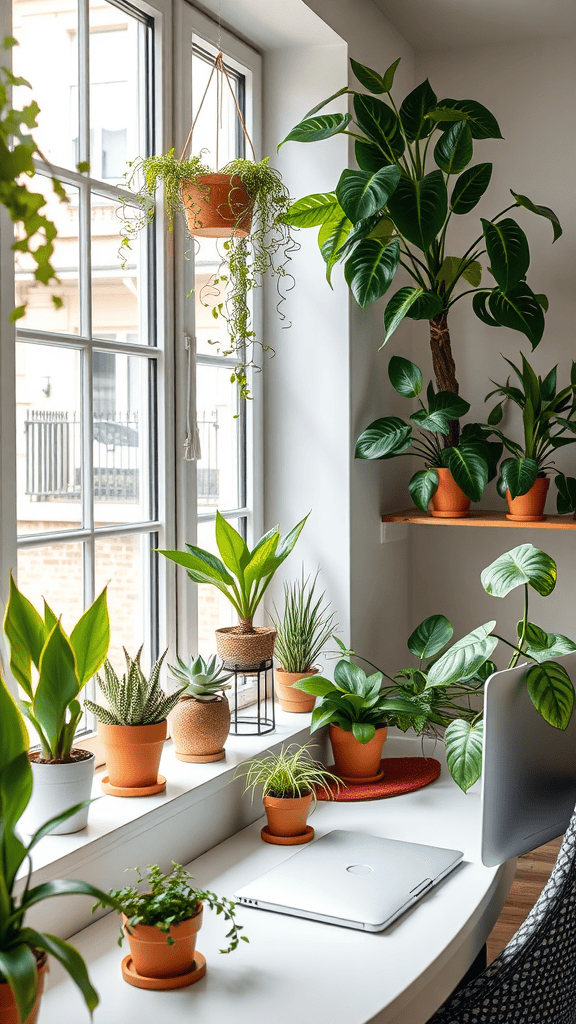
264, 721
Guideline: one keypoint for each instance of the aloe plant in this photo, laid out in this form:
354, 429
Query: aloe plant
133, 699
203, 680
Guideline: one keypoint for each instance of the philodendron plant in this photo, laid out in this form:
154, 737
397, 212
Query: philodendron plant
415, 174
472, 461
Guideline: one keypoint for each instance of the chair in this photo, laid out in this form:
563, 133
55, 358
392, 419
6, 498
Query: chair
533, 980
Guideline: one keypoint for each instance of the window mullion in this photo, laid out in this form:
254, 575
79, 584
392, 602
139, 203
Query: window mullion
85, 282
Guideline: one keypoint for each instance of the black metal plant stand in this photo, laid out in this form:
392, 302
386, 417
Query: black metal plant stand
264, 721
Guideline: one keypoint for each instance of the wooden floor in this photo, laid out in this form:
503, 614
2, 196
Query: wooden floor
531, 876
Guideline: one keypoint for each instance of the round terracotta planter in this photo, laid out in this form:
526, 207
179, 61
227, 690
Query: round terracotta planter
292, 700
355, 761
153, 957
8, 1010
133, 754
217, 206
199, 728
449, 501
245, 650
287, 815
529, 507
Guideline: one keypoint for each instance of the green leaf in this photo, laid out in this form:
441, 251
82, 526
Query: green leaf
453, 267
541, 645
370, 270
322, 716
380, 125
331, 238
423, 486
18, 966
427, 305
551, 692
463, 743
90, 639
13, 733
464, 658
388, 76
418, 208
314, 129
15, 787
518, 475
349, 677
483, 124
25, 633
542, 300
517, 567
470, 188
198, 560
361, 194
57, 685
454, 149
479, 307
398, 307
316, 686
383, 439
287, 543
566, 497
541, 211
260, 559
370, 157
363, 732
469, 467
430, 637
413, 111
312, 211
405, 377
69, 958
508, 251
232, 546
495, 415
324, 103
370, 79
519, 310
443, 407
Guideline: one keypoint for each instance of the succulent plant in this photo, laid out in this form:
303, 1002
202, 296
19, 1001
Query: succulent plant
203, 679
134, 699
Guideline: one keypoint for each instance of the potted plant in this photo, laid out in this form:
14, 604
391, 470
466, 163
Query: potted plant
161, 916
548, 418
357, 711
63, 774
289, 781
24, 950
200, 722
243, 576
301, 633
133, 727
454, 475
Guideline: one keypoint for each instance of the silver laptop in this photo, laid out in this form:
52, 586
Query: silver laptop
351, 879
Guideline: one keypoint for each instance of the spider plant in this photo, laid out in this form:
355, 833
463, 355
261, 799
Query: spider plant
291, 773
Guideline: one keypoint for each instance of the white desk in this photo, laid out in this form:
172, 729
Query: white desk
296, 970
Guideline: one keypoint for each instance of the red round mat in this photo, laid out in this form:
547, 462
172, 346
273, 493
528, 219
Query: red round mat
401, 775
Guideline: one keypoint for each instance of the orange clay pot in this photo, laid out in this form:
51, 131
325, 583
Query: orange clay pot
151, 954
449, 501
217, 206
133, 753
287, 815
291, 700
354, 760
8, 1010
529, 507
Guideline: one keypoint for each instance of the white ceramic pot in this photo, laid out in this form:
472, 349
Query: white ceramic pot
55, 788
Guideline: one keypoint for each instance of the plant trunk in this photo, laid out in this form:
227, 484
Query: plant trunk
444, 367
245, 626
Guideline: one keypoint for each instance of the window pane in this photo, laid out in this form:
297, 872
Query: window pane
230, 135
118, 295
48, 438
125, 564
219, 471
214, 610
54, 572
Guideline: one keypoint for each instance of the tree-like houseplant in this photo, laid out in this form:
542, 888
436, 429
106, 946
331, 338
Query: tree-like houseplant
133, 727
23, 949
301, 632
453, 476
243, 576
200, 722
289, 781
62, 665
161, 917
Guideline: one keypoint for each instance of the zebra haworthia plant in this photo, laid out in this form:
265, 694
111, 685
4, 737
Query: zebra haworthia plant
133, 699
203, 680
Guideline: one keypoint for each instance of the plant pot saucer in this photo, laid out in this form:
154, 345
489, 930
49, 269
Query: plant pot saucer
305, 837
130, 974
202, 758
525, 519
449, 515
111, 790
366, 780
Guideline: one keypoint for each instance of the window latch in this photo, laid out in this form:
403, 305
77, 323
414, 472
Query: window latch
192, 447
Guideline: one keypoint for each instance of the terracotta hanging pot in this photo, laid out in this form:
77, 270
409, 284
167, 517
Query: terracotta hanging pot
133, 756
292, 700
287, 815
153, 958
449, 501
8, 1010
244, 650
354, 761
529, 507
199, 729
217, 206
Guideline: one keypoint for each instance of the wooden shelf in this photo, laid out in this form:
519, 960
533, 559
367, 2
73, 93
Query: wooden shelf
478, 518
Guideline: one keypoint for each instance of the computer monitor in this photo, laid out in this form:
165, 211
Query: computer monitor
529, 769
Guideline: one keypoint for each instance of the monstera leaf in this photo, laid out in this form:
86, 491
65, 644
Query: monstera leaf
518, 567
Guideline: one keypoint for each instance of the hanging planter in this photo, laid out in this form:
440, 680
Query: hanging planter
217, 206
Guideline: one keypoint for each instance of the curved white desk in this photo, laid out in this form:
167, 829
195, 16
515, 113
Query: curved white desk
297, 970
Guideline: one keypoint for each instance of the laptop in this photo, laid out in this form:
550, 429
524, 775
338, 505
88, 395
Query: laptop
352, 880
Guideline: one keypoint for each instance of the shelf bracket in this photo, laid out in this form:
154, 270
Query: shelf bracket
390, 532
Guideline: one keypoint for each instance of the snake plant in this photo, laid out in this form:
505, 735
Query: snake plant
134, 699
203, 679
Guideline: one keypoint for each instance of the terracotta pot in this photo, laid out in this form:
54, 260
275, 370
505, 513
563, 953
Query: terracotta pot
133, 753
355, 760
287, 815
8, 1011
151, 954
199, 728
244, 650
529, 507
449, 501
217, 206
293, 700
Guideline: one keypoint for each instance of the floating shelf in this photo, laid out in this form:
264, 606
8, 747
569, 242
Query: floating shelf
478, 518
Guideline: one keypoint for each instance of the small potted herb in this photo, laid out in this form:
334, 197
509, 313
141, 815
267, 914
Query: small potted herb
63, 774
133, 727
200, 722
289, 781
302, 631
161, 917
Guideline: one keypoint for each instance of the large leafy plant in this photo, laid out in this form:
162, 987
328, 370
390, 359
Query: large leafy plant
63, 664
18, 942
415, 173
472, 461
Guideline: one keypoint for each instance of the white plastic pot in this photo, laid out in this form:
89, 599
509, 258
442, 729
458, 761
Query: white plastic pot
55, 788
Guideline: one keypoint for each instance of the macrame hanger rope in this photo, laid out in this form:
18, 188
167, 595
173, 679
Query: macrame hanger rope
220, 67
